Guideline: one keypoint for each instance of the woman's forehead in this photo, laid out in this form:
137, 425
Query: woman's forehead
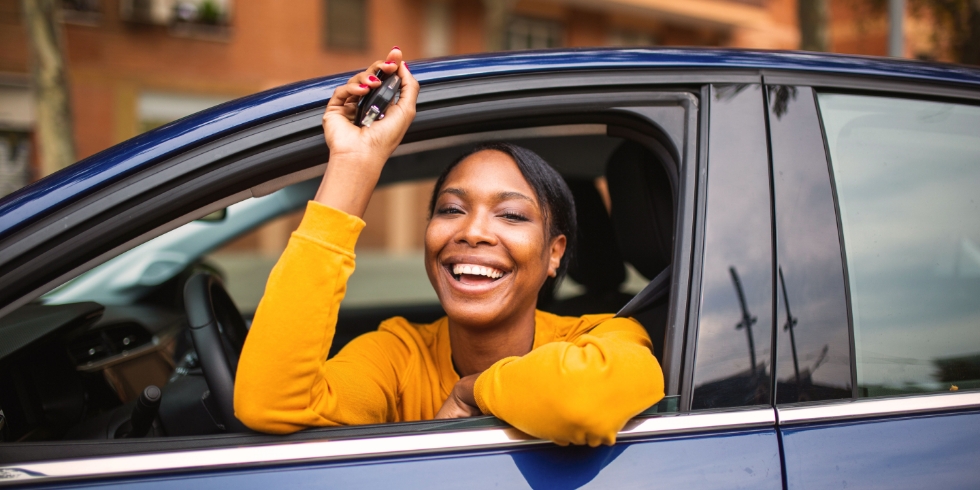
489, 171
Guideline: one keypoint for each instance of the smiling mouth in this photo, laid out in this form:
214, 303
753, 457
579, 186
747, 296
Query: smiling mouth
474, 274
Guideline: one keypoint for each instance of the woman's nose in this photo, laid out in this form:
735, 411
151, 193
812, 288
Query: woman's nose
476, 230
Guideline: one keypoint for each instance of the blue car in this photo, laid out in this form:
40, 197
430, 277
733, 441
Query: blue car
799, 234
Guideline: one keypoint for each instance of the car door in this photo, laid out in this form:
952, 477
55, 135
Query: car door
878, 321
717, 430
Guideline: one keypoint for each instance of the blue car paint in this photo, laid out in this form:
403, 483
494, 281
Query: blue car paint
68, 185
935, 451
743, 459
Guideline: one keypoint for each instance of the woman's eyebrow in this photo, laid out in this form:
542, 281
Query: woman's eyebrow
500, 196
503, 196
454, 191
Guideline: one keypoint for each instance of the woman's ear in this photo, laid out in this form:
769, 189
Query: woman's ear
558, 245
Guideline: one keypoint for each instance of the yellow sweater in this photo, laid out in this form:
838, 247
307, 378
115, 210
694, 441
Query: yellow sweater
583, 380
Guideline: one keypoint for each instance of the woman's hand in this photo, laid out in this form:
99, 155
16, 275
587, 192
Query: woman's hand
461, 402
357, 154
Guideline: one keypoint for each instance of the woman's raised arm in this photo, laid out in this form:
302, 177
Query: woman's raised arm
284, 382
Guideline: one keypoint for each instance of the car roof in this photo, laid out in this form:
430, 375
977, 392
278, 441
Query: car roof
90, 174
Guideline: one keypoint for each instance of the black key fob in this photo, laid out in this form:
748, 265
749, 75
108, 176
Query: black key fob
372, 106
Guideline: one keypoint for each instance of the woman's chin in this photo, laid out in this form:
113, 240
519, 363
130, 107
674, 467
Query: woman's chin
475, 313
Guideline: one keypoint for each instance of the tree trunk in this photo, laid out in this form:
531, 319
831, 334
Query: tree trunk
496, 16
813, 24
54, 123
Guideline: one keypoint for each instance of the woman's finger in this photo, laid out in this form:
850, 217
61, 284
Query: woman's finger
344, 92
392, 61
409, 90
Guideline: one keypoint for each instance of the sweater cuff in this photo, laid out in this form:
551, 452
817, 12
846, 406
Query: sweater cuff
330, 227
483, 387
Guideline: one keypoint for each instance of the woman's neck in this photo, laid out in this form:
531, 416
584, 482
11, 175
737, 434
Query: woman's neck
476, 349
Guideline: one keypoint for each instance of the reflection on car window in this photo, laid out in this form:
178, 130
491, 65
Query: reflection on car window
907, 174
813, 342
732, 363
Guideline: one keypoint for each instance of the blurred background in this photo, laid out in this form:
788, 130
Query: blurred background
78, 76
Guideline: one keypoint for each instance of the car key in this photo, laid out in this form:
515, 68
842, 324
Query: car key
372, 106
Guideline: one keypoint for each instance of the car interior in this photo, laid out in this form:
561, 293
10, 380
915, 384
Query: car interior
109, 355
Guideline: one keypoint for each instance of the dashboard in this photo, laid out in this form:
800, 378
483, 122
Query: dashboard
63, 366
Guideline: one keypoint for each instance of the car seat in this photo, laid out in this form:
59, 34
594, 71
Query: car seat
597, 263
642, 216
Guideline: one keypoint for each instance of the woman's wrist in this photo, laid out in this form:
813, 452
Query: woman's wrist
345, 181
464, 390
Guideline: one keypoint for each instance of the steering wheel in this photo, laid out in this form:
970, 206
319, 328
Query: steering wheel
218, 332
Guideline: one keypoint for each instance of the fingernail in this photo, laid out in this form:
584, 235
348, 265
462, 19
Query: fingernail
363, 85
396, 47
406, 65
389, 62
373, 78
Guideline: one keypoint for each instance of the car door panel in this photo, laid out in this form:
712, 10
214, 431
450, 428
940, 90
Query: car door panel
926, 451
745, 458
835, 433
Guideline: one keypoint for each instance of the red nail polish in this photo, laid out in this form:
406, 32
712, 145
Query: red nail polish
389, 62
396, 47
406, 65
373, 78
363, 86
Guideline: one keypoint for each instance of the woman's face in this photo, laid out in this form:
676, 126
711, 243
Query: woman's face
487, 249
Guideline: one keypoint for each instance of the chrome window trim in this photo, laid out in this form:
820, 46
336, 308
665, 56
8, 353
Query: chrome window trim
321, 451
863, 408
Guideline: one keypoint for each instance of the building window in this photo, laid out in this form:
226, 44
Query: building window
346, 24
528, 33
199, 19
631, 38
16, 121
154, 109
15, 160
85, 12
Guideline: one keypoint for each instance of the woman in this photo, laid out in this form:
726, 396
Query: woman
501, 221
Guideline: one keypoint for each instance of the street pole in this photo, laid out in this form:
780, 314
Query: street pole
896, 29
790, 323
747, 319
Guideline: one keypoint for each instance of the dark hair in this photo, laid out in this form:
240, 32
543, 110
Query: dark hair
549, 187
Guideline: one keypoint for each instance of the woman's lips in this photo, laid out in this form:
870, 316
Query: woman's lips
473, 277
477, 270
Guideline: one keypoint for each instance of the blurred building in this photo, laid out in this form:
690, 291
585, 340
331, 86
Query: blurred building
136, 64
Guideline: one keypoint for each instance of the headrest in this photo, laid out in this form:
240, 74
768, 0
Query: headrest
642, 208
597, 263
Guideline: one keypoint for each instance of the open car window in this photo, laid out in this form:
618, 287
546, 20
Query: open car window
122, 326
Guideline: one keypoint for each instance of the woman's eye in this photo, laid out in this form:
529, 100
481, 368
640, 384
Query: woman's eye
450, 210
510, 216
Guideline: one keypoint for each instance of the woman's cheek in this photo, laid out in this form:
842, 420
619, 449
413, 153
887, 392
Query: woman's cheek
525, 246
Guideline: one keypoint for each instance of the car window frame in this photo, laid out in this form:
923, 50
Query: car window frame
856, 408
628, 111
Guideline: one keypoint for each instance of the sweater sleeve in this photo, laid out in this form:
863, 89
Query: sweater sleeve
581, 391
284, 382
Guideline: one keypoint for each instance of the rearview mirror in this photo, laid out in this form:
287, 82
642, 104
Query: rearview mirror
215, 216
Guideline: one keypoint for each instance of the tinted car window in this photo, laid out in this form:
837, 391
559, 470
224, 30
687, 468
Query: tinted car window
907, 174
813, 345
735, 322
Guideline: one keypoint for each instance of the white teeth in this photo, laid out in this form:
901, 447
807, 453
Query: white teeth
477, 270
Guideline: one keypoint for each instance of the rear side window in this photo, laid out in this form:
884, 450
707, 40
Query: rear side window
907, 174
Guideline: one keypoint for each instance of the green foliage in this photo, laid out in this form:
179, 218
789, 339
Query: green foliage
208, 12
